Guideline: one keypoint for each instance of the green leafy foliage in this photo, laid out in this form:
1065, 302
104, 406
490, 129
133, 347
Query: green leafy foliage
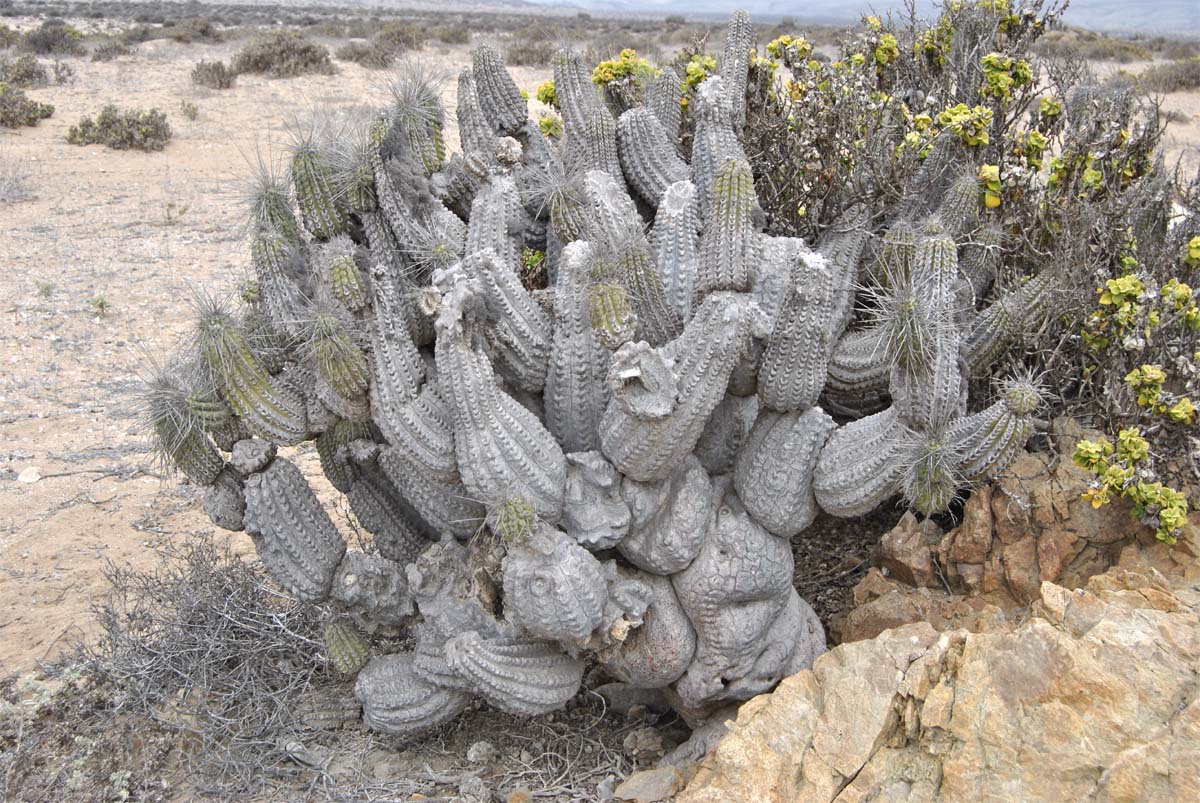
17, 110
283, 54
123, 129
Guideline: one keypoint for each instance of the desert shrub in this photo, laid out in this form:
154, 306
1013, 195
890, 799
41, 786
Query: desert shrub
14, 178
1175, 49
391, 41
397, 37
8, 37
1177, 76
363, 53
1090, 45
17, 110
53, 38
451, 34
109, 50
24, 72
529, 47
123, 129
283, 54
189, 110
63, 72
213, 74
194, 29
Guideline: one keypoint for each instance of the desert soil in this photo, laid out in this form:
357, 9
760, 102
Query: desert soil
143, 232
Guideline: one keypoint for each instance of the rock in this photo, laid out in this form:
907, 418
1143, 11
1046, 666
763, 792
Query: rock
1094, 697
650, 786
644, 745
481, 752
905, 550
30, 475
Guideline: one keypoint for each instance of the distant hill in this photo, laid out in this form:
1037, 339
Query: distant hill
1170, 17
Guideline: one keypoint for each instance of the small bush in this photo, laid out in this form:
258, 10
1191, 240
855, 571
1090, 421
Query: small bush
123, 129
23, 73
8, 37
364, 54
283, 54
214, 75
529, 48
17, 110
107, 51
451, 34
189, 110
1177, 76
391, 41
63, 72
53, 38
14, 178
399, 37
194, 29
1090, 45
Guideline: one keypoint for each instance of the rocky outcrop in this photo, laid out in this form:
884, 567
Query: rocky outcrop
1030, 526
1094, 696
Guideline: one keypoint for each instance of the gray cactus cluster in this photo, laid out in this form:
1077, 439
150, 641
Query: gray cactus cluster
603, 471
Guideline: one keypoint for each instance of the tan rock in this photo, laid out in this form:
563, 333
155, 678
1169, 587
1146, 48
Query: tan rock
973, 538
650, 786
905, 551
1095, 697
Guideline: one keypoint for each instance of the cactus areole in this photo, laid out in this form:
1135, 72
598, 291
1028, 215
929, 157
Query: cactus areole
606, 471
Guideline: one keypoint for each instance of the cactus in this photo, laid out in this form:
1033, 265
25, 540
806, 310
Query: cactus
648, 156
716, 140
774, 472
269, 407
316, 196
601, 461
860, 465
704, 356
674, 245
657, 320
346, 647
1006, 319
613, 319
499, 98
795, 363
735, 61
725, 245
521, 677
396, 700
295, 538
988, 440
576, 391
664, 98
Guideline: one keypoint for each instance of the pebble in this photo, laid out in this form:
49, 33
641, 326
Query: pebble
30, 475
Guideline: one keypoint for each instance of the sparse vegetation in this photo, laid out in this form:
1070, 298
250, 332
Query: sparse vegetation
14, 178
384, 47
1176, 76
110, 49
283, 54
99, 305
188, 109
17, 110
529, 47
8, 37
123, 129
45, 287
54, 37
24, 72
214, 75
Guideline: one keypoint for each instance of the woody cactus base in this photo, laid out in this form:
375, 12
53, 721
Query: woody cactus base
606, 470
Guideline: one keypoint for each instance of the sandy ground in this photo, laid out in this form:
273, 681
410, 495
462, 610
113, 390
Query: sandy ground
141, 231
